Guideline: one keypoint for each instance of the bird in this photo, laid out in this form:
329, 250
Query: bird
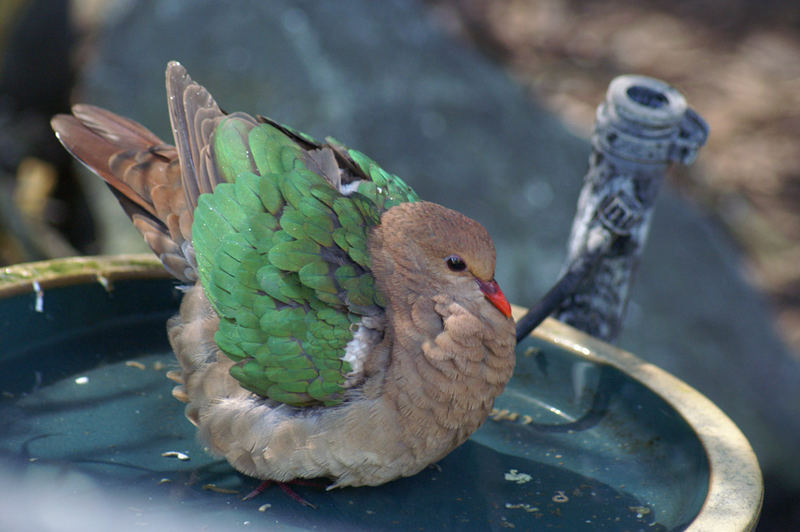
333, 324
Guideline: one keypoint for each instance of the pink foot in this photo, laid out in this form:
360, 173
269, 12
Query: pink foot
287, 489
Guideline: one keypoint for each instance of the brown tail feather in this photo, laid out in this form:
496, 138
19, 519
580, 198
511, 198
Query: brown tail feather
94, 147
144, 174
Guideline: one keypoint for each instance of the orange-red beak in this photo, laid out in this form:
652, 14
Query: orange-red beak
493, 293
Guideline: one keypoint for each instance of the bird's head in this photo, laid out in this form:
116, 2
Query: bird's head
436, 249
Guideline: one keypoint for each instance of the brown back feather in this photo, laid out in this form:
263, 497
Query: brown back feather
194, 115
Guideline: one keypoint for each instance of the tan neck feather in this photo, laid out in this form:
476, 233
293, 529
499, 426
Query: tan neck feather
446, 367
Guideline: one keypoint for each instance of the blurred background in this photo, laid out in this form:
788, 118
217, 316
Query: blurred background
484, 106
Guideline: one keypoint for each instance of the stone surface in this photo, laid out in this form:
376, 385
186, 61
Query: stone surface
381, 77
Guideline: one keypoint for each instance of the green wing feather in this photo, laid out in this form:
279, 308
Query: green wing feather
283, 257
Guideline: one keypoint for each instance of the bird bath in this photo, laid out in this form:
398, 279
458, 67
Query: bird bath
586, 436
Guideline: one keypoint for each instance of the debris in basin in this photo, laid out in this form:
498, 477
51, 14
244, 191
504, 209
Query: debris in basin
514, 475
640, 511
176, 454
522, 506
217, 489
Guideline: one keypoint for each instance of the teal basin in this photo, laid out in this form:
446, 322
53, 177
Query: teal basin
586, 437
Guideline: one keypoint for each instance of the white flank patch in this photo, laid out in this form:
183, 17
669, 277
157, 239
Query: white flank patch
355, 353
351, 187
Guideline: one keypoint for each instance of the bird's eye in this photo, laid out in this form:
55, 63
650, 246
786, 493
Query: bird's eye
456, 263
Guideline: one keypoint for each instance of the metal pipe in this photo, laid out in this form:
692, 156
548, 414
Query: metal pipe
643, 126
